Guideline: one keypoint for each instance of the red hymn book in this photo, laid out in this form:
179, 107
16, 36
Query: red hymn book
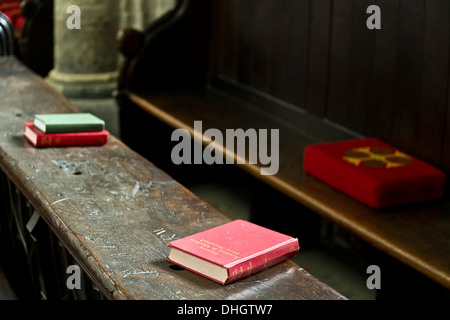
232, 251
374, 172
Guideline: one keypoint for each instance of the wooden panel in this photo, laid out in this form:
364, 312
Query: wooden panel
397, 76
434, 91
298, 53
318, 62
383, 89
445, 158
278, 66
224, 47
280, 15
338, 103
409, 80
254, 57
362, 56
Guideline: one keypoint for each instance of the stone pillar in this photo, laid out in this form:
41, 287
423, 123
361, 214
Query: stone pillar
86, 59
138, 14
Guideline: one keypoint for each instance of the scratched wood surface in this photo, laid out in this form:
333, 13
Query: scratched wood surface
115, 211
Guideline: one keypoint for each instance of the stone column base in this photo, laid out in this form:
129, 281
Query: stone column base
90, 85
90, 93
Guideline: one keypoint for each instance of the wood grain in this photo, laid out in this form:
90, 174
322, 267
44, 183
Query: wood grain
115, 211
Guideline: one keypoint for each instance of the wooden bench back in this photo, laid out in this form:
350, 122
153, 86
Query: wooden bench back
6, 36
290, 56
37, 37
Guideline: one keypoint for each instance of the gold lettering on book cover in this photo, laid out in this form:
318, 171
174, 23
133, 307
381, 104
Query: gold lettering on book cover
249, 268
46, 141
215, 248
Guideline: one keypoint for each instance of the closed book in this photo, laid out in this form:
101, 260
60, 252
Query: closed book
232, 251
40, 139
68, 122
374, 173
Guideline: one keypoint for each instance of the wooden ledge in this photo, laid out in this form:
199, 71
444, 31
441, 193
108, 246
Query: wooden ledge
115, 211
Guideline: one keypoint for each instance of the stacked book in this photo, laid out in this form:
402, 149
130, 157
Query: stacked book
66, 130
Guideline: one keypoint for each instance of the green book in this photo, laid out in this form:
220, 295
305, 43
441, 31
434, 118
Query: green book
68, 122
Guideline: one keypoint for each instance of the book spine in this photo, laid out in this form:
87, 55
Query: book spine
55, 140
73, 128
263, 261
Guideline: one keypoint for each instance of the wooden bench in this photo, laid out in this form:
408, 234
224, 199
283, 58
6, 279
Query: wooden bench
35, 43
32, 32
314, 71
6, 36
108, 210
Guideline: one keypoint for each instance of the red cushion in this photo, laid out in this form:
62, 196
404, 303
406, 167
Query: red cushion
374, 172
11, 9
